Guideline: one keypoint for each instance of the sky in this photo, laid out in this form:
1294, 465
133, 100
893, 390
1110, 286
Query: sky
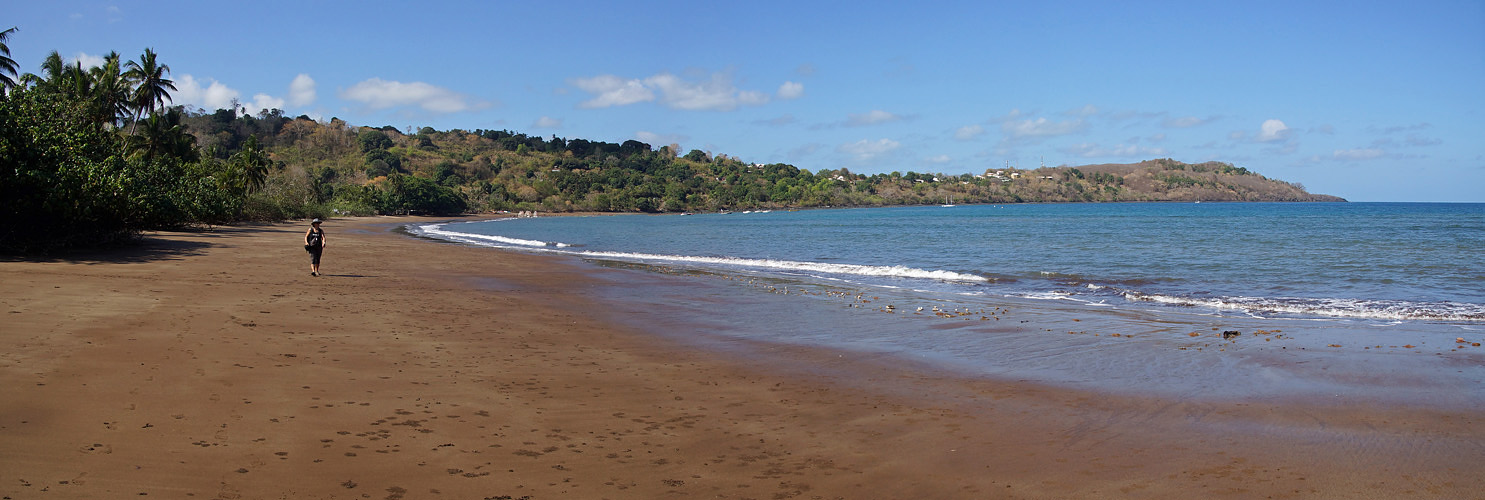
1370, 101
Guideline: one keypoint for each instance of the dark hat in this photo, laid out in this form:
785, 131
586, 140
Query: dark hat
316, 221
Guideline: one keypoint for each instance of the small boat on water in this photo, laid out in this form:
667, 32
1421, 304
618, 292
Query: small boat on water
948, 202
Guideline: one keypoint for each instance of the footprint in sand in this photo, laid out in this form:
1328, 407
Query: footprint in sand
96, 448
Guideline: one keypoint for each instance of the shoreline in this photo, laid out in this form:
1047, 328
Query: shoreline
1125, 350
211, 365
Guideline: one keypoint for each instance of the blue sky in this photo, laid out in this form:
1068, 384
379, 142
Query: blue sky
1372, 101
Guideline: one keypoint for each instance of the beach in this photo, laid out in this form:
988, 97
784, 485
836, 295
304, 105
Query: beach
212, 365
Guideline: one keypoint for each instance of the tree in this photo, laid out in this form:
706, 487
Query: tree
699, 156
632, 146
252, 164
111, 90
373, 140
58, 169
7, 65
163, 135
53, 70
149, 84
412, 194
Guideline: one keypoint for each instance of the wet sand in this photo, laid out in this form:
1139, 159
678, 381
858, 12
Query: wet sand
211, 365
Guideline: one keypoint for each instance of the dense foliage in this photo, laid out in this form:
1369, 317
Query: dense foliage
90, 155
504, 170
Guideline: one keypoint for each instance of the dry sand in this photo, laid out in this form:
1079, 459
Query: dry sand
211, 365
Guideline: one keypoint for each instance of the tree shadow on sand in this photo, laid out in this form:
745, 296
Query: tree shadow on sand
137, 250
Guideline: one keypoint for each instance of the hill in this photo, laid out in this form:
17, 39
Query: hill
344, 167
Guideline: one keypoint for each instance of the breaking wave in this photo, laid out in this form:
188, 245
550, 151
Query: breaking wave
1327, 307
736, 262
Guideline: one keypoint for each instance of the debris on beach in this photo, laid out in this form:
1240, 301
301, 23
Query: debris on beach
1230, 334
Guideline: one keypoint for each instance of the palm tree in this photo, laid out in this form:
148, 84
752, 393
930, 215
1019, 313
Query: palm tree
54, 70
111, 89
76, 80
163, 135
149, 84
7, 65
251, 164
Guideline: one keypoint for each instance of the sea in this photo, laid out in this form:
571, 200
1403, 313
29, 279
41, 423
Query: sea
1171, 298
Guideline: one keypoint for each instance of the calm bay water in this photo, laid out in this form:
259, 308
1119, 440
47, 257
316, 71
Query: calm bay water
1374, 301
1368, 261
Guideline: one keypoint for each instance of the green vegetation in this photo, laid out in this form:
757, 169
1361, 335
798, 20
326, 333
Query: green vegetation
89, 156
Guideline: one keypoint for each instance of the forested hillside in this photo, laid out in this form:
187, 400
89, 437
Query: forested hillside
346, 168
91, 155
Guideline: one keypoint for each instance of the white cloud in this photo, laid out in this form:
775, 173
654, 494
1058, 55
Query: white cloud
1418, 141
1273, 131
302, 90
874, 117
969, 132
940, 159
210, 94
382, 94
88, 61
1041, 127
1411, 140
658, 140
1184, 122
262, 102
1402, 128
1359, 154
1086, 110
207, 94
716, 93
610, 90
1091, 150
866, 150
547, 122
791, 90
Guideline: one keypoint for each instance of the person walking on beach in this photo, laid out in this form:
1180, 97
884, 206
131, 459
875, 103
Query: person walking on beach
314, 242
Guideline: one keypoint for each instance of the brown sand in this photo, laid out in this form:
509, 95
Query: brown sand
210, 365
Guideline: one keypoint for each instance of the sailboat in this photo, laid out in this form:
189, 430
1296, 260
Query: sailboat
948, 202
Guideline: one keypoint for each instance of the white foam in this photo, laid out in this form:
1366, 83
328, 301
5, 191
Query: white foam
1335, 308
436, 230
852, 269
787, 265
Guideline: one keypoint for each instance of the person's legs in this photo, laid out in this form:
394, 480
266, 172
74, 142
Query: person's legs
314, 262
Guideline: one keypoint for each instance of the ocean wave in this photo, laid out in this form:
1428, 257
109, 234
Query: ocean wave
852, 269
773, 264
1335, 308
436, 230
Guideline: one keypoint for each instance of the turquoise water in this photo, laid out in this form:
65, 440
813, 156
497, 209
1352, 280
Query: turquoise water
1379, 262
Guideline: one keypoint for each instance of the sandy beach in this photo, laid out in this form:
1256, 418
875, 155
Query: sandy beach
211, 365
